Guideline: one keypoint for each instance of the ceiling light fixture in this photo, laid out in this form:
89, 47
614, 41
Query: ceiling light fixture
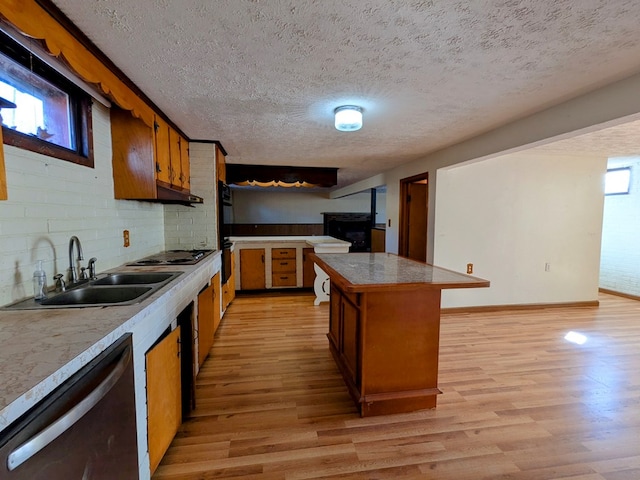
348, 118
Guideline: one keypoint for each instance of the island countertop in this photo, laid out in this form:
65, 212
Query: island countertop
365, 272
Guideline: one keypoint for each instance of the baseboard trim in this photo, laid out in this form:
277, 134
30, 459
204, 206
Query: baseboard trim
521, 306
619, 294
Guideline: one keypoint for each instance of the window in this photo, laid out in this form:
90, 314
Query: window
617, 181
52, 115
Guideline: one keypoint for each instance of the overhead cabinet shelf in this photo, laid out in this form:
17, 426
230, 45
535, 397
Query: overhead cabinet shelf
148, 163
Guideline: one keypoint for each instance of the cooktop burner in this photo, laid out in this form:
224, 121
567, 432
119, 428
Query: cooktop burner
174, 257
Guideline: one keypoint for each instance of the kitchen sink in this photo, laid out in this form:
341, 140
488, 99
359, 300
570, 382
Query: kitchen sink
134, 278
96, 296
108, 289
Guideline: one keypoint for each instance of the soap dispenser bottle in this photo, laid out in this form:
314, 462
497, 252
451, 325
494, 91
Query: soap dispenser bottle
39, 282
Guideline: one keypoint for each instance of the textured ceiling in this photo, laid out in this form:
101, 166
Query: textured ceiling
263, 76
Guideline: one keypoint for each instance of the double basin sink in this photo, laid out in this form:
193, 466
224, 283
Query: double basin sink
118, 288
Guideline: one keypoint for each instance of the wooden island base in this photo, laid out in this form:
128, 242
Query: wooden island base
386, 347
384, 336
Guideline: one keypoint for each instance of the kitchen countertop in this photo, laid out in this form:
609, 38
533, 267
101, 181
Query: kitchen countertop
312, 240
40, 349
360, 272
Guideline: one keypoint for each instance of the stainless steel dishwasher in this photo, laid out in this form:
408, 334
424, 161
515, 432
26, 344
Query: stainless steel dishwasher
85, 429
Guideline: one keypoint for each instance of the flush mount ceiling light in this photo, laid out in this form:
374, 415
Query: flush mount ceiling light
348, 118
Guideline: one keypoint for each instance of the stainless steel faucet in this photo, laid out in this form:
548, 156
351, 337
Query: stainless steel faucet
73, 273
92, 268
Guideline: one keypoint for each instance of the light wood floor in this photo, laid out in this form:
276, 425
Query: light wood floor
518, 402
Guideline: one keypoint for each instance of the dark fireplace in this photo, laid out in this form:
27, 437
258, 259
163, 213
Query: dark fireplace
351, 227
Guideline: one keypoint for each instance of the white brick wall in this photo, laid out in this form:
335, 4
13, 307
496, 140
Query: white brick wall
620, 256
196, 227
50, 200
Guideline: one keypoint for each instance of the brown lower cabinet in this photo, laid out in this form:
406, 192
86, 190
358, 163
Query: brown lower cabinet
208, 317
252, 276
229, 288
164, 395
283, 267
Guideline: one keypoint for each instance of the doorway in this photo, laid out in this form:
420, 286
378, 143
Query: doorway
414, 202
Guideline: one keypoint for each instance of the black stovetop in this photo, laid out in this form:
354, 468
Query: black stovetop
173, 257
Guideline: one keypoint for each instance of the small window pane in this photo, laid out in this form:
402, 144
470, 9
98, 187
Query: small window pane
617, 181
43, 110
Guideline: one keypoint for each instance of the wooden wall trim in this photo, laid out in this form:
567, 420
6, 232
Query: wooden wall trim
619, 294
523, 306
28, 17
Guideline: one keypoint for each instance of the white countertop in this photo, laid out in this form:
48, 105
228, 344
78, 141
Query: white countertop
40, 349
311, 240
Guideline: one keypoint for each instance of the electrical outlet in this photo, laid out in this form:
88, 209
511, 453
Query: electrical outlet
125, 236
469, 268
547, 267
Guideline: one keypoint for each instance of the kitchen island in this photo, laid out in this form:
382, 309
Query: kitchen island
384, 327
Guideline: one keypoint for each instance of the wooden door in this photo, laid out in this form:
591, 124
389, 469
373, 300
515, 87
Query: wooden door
164, 396
175, 152
217, 312
185, 164
351, 338
133, 163
221, 166
162, 151
308, 273
206, 307
414, 194
252, 269
229, 288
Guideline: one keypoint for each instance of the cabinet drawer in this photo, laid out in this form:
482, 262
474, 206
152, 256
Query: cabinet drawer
283, 280
283, 265
283, 253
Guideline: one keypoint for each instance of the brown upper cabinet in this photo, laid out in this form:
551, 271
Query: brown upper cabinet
221, 165
146, 158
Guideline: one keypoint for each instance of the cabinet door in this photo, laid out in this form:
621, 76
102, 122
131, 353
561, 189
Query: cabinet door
229, 292
162, 151
308, 273
133, 163
185, 164
164, 396
206, 320
217, 313
175, 152
221, 165
350, 338
252, 275
335, 314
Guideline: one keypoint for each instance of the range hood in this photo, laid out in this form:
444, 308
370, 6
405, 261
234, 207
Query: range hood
171, 195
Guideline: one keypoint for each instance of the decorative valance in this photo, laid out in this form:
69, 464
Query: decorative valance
28, 17
281, 176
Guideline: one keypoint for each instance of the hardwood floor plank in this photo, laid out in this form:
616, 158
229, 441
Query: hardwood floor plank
519, 402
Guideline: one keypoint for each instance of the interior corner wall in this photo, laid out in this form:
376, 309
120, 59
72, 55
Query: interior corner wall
530, 224
196, 227
620, 257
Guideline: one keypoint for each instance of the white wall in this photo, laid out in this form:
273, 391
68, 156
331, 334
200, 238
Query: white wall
188, 228
510, 216
620, 259
295, 206
50, 200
